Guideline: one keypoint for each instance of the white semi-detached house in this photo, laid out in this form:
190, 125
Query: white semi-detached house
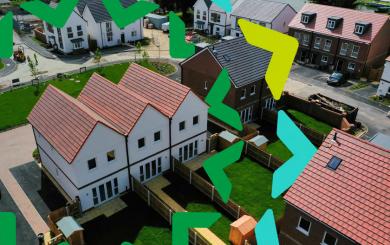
91, 26
94, 144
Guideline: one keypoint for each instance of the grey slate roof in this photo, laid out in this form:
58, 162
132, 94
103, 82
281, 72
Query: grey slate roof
98, 10
245, 63
265, 11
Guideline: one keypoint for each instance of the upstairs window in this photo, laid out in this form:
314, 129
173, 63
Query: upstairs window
182, 125
304, 226
355, 51
141, 143
157, 136
306, 40
79, 31
344, 49
215, 17
70, 32
111, 156
328, 239
359, 29
205, 85
204, 15
305, 19
92, 163
198, 14
109, 31
317, 43
243, 94
331, 24
328, 44
253, 89
49, 28
195, 120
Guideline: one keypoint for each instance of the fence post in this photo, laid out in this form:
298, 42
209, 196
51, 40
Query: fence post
209, 143
212, 193
246, 147
148, 198
238, 211
194, 237
269, 160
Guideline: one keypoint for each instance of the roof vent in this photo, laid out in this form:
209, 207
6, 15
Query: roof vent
335, 137
334, 163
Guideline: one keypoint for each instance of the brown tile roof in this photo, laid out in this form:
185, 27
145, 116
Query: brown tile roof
165, 94
347, 28
354, 199
64, 121
116, 104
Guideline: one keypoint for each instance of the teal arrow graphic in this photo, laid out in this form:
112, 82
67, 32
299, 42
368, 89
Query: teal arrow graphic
301, 148
265, 230
182, 221
125, 16
215, 99
214, 168
178, 47
6, 40
56, 17
224, 4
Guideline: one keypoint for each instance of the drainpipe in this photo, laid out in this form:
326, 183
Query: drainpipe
170, 141
101, 34
261, 99
128, 160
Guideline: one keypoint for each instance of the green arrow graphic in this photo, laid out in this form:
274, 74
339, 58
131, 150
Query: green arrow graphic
6, 40
125, 16
281, 45
182, 221
215, 99
7, 229
178, 47
56, 17
214, 168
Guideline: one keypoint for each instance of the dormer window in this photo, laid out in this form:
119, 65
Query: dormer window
307, 17
361, 27
333, 22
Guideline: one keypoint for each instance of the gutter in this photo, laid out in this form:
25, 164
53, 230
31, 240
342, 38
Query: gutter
101, 34
128, 160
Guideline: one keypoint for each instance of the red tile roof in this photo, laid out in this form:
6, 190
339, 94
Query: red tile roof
165, 94
354, 199
347, 27
63, 121
116, 104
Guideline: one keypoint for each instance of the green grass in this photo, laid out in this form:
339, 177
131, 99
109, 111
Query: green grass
16, 105
154, 235
279, 150
358, 85
385, 101
1, 65
310, 122
252, 186
221, 227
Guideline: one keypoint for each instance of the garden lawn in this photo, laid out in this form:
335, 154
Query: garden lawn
1, 65
251, 188
154, 235
279, 150
16, 105
310, 122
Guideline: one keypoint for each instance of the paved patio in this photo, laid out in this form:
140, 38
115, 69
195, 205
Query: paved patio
197, 163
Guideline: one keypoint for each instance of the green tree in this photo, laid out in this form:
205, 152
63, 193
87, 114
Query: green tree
138, 49
98, 57
33, 65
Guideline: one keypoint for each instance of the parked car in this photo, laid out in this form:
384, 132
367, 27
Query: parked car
336, 78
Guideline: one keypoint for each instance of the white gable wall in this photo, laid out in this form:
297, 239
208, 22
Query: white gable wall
202, 7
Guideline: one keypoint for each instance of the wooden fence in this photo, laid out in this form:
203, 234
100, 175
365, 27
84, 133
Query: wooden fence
206, 188
163, 209
262, 157
314, 136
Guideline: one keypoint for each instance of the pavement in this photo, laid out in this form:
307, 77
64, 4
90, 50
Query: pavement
305, 81
9, 67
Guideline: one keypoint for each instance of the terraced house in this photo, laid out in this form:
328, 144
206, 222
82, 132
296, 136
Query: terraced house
339, 39
92, 145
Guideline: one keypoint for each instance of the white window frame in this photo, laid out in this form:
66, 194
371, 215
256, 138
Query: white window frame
323, 239
326, 46
205, 85
198, 14
351, 64
77, 45
359, 29
305, 40
331, 24
110, 35
204, 15
243, 96
323, 60
253, 87
355, 54
317, 43
305, 19
344, 48
133, 33
299, 228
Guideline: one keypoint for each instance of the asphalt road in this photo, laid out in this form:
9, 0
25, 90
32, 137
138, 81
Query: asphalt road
24, 233
305, 81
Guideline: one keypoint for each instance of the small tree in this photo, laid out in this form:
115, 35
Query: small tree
145, 57
33, 65
139, 49
98, 57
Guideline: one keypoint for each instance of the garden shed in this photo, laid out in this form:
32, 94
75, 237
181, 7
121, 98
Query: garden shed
260, 141
243, 230
71, 230
226, 139
157, 20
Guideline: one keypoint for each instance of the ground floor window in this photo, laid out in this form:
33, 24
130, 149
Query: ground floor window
188, 152
246, 114
77, 45
134, 33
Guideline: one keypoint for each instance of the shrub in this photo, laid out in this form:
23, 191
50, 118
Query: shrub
36, 155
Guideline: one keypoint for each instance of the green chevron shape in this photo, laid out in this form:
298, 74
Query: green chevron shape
215, 99
56, 17
182, 221
214, 168
178, 47
6, 40
7, 228
125, 16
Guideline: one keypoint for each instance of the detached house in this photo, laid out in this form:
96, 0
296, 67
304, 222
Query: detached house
342, 197
246, 65
273, 15
91, 26
339, 39
384, 85
94, 144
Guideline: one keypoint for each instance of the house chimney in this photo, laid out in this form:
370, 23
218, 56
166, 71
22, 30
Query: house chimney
334, 137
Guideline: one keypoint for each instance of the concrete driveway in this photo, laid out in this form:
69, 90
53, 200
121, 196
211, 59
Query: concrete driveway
305, 81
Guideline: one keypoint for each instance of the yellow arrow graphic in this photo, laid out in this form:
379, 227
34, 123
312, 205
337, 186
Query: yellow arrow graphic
283, 47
